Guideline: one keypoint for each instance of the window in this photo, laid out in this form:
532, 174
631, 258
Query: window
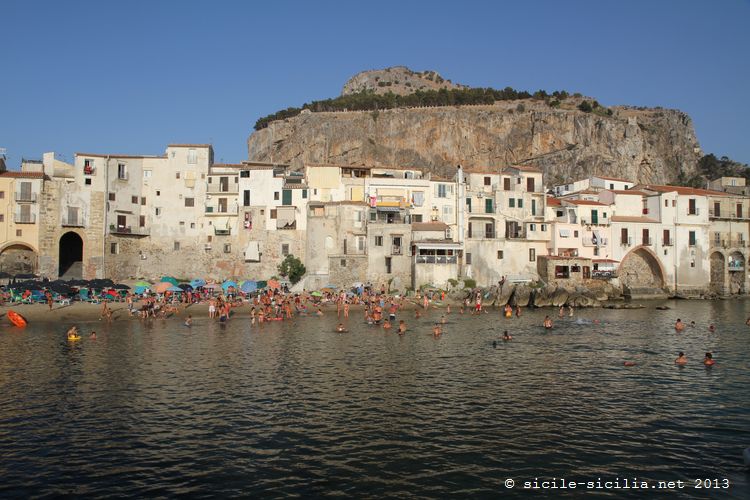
157, 211
674, 203
158, 193
373, 216
378, 241
575, 234
134, 200
182, 223
192, 225
360, 243
520, 202
611, 186
122, 171
146, 175
506, 184
532, 227
604, 215
666, 203
358, 216
532, 254
111, 196
691, 206
189, 202
443, 190
143, 200
511, 203
396, 241
2, 195
276, 196
192, 156
176, 245
447, 212
113, 248
596, 251
285, 249
416, 218
342, 263
227, 248
246, 198
273, 213
468, 259
87, 182
624, 236
244, 173
304, 194
142, 221
560, 213
2, 217
487, 181
177, 175
499, 254
691, 238
544, 227
489, 207
19, 233
468, 205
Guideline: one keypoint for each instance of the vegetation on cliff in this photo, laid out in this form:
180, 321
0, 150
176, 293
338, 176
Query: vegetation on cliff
711, 168
370, 101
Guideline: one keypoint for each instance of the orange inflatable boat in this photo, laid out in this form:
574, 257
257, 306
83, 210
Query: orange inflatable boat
17, 319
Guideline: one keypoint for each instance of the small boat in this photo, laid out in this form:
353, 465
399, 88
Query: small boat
17, 319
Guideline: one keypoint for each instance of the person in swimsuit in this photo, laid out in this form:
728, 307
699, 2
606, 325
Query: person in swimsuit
436, 330
709, 359
401, 327
681, 359
547, 322
679, 325
507, 336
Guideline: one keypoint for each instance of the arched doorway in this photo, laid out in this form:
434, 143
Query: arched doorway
736, 273
640, 269
18, 258
71, 256
717, 272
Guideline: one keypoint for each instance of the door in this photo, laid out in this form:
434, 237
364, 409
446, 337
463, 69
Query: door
286, 197
488, 206
530, 184
586, 272
506, 184
717, 209
121, 221
646, 239
739, 209
388, 265
246, 198
595, 217
222, 205
223, 184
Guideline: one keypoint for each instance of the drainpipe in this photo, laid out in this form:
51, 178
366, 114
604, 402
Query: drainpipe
460, 201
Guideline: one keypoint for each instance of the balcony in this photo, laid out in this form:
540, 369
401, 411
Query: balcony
286, 225
26, 197
436, 259
647, 242
482, 235
222, 231
728, 214
88, 170
232, 188
593, 242
221, 210
667, 243
73, 222
396, 250
25, 219
121, 230
603, 274
696, 211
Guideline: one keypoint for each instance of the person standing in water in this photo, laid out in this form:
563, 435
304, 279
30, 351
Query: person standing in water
681, 359
547, 322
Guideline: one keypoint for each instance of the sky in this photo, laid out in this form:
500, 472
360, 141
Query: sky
131, 77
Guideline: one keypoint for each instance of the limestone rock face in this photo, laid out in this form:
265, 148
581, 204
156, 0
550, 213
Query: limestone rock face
642, 145
397, 79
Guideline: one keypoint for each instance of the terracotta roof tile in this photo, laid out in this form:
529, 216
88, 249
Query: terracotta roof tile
429, 226
23, 175
586, 202
553, 202
682, 190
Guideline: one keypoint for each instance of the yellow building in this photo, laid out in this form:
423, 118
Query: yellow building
20, 194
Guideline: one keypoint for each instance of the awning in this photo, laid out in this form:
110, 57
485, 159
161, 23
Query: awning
389, 209
284, 216
418, 198
252, 252
438, 245
565, 232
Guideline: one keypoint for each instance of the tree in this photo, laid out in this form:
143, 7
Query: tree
585, 106
293, 268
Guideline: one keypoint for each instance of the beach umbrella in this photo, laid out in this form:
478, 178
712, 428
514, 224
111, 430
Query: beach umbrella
140, 289
316, 294
121, 286
170, 279
274, 284
175, 289
211, 286
4, 275
75, 282
327, 290
24, 276
162, 287
185, 286
262, 284
248, 286
197, 283
143, 284
332, 287
229, 284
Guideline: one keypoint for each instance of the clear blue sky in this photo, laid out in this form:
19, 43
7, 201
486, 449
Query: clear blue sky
133, 76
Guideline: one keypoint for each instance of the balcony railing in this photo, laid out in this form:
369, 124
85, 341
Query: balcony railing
128, 230
222, 231
396, 250
27, 197
647, 242
25, 219
219, 189
728, 214
696, 211
486, 235
221, 210
73, 222
666, 242
436, 259
602, 274
592, 242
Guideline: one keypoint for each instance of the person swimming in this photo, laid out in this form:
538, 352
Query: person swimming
73, 333
340, 328
401, 327
437, 330
679, 325
189, 320
681, 359
709, 359
507, 336
386, 324
547, 322
442, 319
93, 336
711, 328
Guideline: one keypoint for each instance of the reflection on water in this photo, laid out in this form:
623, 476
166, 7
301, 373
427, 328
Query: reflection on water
295, 409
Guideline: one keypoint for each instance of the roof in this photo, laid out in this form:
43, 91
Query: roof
189, 145
586, 202
605, 260
553, 202
336, 203
525, 168
23, 175
115, 157
562, 257
682, 190
612, 178
634, 192
227, 165
629, 218
429, 226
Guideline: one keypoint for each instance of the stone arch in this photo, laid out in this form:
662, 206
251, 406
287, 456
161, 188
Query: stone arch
71, 256
18, 258
717, 272
737, 272
641, 269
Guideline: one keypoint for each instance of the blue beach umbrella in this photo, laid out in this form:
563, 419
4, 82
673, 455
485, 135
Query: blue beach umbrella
170, 279
174, 289
248, 286
228, 284
197, 283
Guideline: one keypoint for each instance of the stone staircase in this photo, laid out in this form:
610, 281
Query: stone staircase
75, 271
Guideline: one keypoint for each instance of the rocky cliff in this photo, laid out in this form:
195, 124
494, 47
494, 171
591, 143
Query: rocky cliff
644, 145
397, 79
